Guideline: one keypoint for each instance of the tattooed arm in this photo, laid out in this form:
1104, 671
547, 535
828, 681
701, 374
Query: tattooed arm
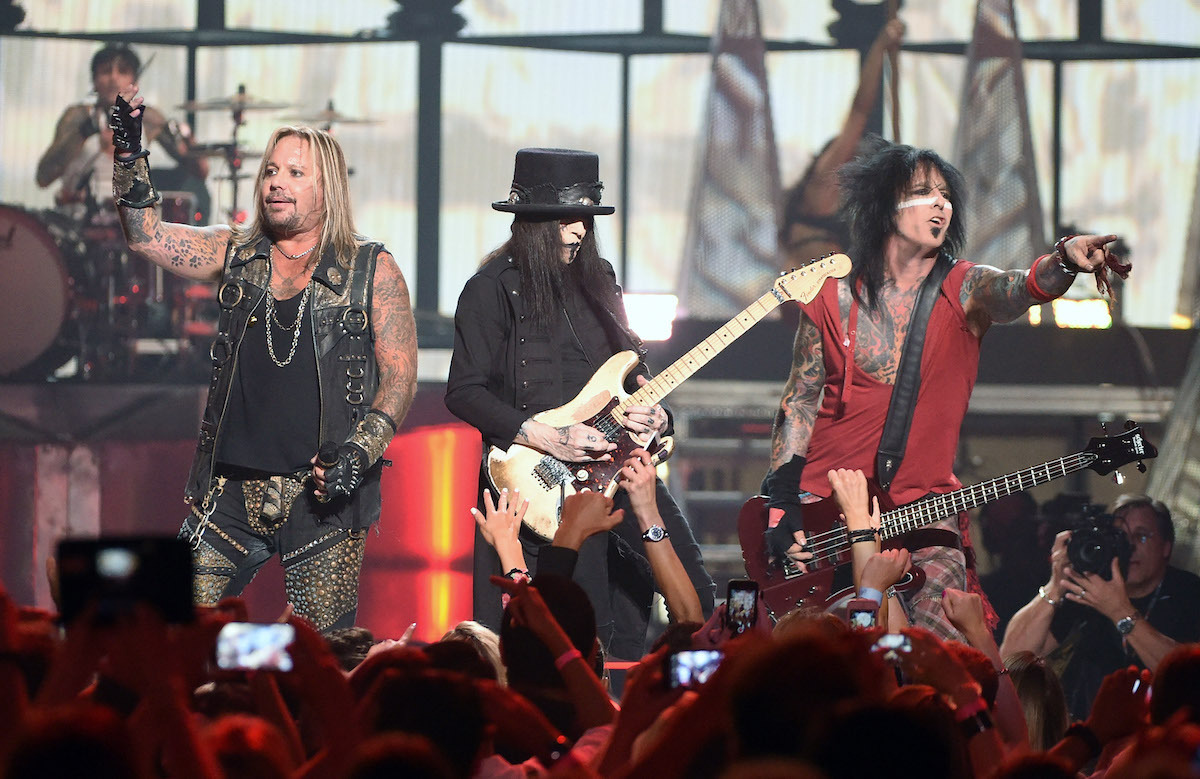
74, 127
801, 396
192, 252
395, 340
991, 295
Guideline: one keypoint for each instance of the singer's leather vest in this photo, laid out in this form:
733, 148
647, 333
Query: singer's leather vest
347, 373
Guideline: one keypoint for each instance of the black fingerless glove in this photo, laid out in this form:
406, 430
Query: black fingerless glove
126, 128
782, 488
344, 467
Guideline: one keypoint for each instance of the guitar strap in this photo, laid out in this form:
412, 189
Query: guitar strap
894, 441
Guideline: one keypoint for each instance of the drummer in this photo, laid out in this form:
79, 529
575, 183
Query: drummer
81, 154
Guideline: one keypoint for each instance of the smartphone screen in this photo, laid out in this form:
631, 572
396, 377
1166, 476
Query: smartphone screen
690, 668
890, 644
113, 574
861, 619
862, 613
741, 605
249, 646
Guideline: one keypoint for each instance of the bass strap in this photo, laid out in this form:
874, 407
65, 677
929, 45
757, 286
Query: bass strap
908, 378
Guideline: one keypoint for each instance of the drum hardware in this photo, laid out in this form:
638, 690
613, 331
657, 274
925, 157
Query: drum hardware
237, 104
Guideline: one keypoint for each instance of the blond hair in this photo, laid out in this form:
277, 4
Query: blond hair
337, 221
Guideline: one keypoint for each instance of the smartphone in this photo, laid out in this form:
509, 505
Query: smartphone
862, 613
891, 645
250, 646
690, 668
741, 605
115, 573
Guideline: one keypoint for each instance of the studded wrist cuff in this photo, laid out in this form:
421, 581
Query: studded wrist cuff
131, 182
373, 435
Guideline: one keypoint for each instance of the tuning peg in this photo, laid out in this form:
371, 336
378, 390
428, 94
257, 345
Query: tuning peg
1141, 466
1118, 477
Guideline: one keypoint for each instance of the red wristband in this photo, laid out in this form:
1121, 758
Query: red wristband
1031, 285
567, 657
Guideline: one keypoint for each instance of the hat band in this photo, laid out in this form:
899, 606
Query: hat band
583, 194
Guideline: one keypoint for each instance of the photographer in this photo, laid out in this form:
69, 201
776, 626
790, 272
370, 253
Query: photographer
1093, 617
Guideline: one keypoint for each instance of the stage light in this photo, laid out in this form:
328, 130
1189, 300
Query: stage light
651, 314
1092, 313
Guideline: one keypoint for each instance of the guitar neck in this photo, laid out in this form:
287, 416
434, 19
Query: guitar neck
682, 369
937, 507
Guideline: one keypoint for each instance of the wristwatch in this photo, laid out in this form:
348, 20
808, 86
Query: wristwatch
1125, 624
655, 533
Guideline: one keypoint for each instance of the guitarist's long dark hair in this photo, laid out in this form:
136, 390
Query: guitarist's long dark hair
536, 248
871, 188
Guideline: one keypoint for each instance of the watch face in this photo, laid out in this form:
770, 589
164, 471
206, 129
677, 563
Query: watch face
1125, 626
655, 533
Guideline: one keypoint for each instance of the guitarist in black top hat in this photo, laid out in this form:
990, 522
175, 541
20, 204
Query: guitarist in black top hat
533, 325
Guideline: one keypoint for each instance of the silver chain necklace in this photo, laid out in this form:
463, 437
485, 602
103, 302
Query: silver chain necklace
295, 328
294, 256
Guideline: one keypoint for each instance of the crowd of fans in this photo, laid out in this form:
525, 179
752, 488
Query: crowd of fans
806, 696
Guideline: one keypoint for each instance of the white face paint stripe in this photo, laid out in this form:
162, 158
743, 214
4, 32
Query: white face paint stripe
923, 201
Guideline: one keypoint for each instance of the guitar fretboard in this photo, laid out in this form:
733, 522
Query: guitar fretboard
937, 507
679, 371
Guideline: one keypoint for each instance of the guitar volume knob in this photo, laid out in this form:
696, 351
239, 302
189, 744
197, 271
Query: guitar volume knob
581, 475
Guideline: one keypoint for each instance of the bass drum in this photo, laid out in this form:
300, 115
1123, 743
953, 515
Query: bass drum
38, 297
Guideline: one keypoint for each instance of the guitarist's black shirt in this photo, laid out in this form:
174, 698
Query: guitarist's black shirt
582, 343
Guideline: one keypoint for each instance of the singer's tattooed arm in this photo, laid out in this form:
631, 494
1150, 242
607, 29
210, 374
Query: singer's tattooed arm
395, 340
192, 252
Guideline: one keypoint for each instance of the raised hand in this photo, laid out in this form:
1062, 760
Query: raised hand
584, 514
965, 612
885, 568
850, 491
125, 121
502, 522
638, 478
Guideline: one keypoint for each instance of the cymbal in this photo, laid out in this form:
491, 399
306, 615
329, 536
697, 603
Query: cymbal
239, 101
222, 150
329, 115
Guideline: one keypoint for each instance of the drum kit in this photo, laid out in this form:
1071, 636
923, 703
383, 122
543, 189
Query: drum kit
82, 307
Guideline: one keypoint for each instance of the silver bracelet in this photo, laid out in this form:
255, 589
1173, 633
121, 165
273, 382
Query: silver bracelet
1042, 594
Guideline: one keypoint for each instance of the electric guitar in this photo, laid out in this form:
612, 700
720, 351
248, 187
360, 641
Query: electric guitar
546, 481
785, 587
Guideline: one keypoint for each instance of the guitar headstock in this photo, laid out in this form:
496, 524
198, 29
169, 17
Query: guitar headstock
805, 282
1113, 451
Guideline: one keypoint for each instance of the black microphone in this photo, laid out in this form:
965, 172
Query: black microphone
327, 455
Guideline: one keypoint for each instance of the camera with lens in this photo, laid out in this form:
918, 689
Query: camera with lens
1096, 541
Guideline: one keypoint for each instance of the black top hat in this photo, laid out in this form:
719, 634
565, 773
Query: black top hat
555, 183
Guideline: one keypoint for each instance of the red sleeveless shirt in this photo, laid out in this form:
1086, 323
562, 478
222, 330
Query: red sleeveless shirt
850, 420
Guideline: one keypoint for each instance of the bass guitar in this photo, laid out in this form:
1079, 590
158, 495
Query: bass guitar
784, 587
546, 481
